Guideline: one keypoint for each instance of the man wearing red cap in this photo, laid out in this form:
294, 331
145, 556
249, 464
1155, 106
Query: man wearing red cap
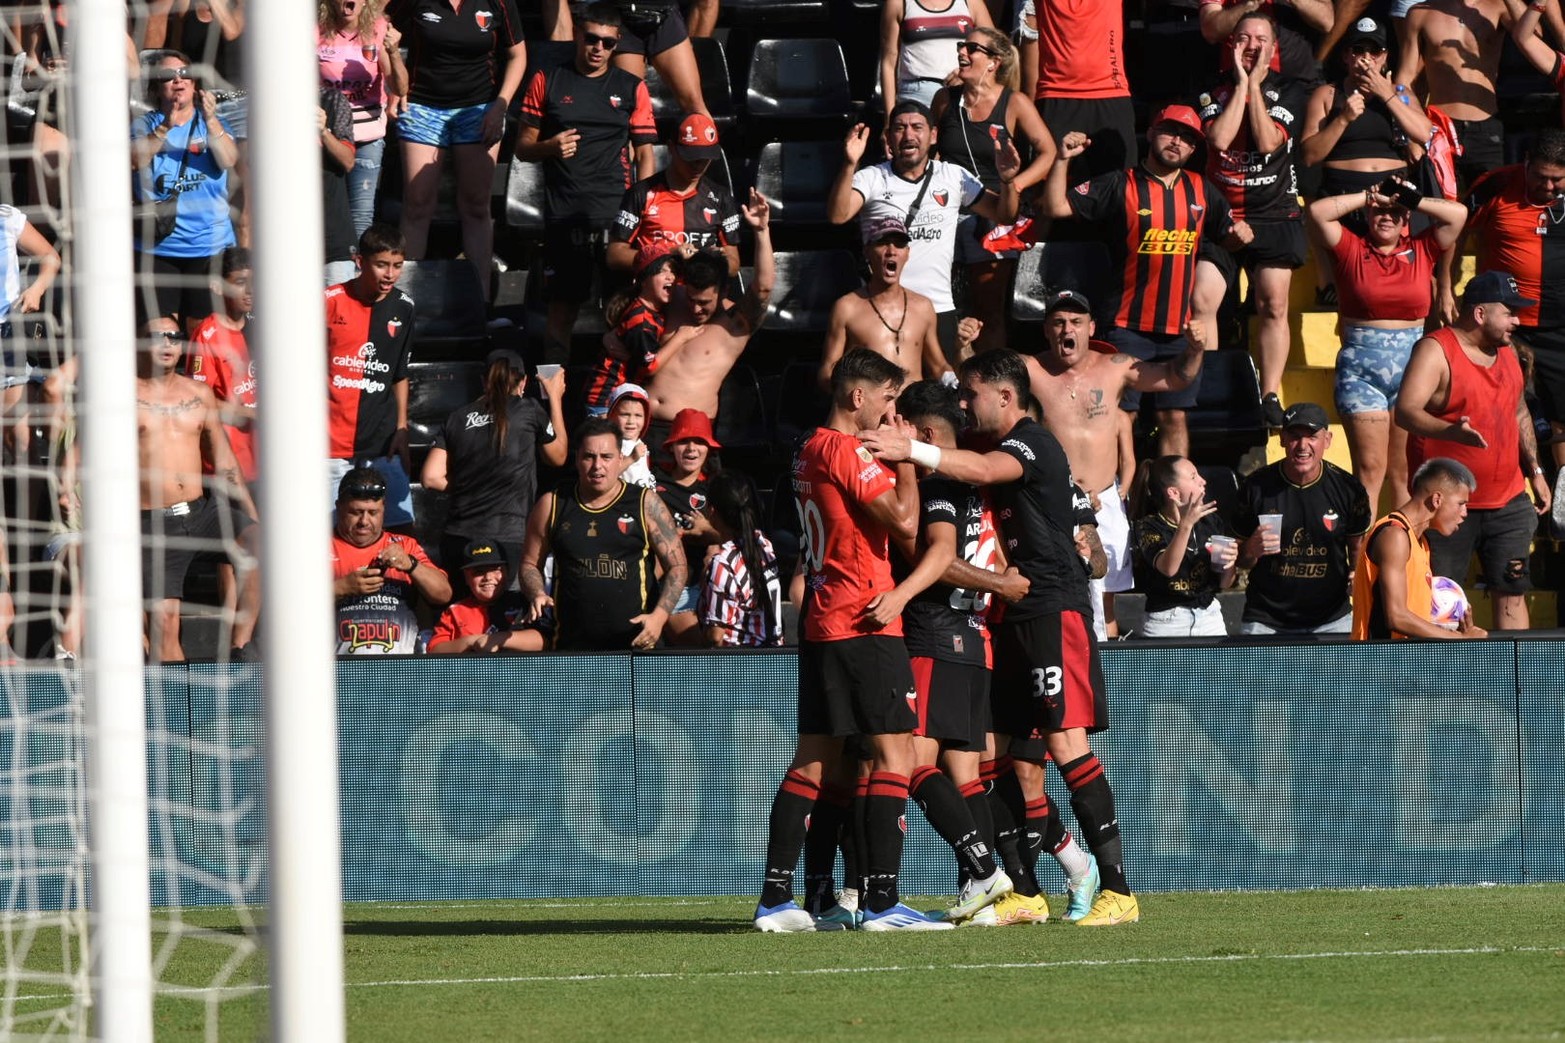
1155, 215
679, 206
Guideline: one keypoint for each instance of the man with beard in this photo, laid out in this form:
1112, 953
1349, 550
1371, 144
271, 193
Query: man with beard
885, 316
1301, 568
1079, 386
928, 195
679, 207
1463, 389
1154, 216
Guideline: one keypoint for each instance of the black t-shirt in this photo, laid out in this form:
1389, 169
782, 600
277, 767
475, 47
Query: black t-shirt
336, 215
1308, 584
1258, 185
1037, 520
682, 500
454, 57
602, 569
492, 491
611, 112
945, 622
1196, 582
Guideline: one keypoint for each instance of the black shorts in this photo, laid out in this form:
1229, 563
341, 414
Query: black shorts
1109, 122
1154, 347
174, 537
953, 702
1548, 369
1046, 679
651, 31
856, 686
573, 252
1277, 244
1483, 147
178, 286
1502, 537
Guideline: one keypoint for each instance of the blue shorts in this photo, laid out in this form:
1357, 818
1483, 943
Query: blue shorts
1370, 367
1154, 347
442, 128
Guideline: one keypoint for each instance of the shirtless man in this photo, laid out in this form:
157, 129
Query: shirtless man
1456, 44
1079, 387
714, 331
885, 316
179, 425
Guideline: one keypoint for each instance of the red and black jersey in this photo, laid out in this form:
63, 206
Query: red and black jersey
455, 55
369, 347
1260, 186
611, 112
1517, 236
1159, 242
640, 329
651, 212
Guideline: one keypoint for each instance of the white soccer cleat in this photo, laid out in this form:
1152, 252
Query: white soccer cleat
980, 894
787, 918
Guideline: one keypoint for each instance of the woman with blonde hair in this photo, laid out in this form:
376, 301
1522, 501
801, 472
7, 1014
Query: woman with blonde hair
361, 57
981, 110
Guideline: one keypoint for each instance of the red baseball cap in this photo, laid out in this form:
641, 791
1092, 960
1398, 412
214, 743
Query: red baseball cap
1183, 115
688, 424
697, 138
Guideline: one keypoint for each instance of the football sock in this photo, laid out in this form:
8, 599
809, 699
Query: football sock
785, 836
853, 842
1057, 840
937, 796
1010, 815
1093, 803
820, 847
884, 808
977, 800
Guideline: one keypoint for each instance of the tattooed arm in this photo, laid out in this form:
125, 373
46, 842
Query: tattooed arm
670, 552
225, 466
535, 550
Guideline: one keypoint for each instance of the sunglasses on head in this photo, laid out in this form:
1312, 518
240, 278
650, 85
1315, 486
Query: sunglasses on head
969, 46
608, 43
364, 491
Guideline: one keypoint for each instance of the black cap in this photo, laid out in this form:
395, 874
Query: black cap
1366, 29
512, 357
1067, 299
1494, 288
482, 554
361, 483
1305, 414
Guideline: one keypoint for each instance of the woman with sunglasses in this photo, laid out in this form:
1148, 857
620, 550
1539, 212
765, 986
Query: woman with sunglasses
982, 108
361, 56
1384, 279
182, 152
916, 38
465, 63
1363, 128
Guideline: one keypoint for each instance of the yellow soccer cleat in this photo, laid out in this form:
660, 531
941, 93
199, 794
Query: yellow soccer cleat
1015, 909
1111, 908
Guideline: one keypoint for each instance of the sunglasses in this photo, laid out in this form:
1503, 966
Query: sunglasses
608, 43
969, 46
170, 75
1366, 48
167, 336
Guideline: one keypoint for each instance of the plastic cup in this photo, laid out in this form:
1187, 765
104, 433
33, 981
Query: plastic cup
1271, 525
1217, 546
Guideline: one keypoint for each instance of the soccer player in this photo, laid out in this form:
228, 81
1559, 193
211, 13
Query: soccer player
1047, 683
854, 676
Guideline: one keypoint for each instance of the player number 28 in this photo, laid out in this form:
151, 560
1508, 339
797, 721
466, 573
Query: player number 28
1047, 680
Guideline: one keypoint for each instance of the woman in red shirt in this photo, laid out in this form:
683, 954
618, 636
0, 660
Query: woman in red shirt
1384, 283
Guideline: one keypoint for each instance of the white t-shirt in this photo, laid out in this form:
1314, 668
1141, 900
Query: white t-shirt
12, 221
933, 233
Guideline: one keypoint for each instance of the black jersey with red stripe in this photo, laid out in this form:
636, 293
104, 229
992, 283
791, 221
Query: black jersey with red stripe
369, 346
640, 329
946, 622
1258, 185
1037, 520
455, 54
1160, 228
652, 212
611, 112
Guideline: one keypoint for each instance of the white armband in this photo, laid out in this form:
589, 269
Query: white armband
923, 454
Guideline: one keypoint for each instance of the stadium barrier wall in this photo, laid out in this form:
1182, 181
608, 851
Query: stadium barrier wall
1235, 766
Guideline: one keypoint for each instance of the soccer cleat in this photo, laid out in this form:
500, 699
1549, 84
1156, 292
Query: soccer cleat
900, 918
838, 918
787, 918
1083, 893
984, 917
979, 894
1015, 909
1111, 908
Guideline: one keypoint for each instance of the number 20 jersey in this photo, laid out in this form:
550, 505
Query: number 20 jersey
945, 622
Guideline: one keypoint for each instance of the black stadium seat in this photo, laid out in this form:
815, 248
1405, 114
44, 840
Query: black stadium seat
715, 88
1226, 420
796, 176
769, 12
799, 80
524, 197
808, 281
448, 302
435, 390
1083, 267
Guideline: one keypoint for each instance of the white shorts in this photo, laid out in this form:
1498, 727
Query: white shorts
1114, 532
1185, 622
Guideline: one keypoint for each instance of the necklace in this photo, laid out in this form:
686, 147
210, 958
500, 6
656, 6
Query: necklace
896, 331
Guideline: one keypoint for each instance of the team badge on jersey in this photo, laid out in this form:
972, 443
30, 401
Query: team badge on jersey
625, 523
865, 455
697, 502
942, 198
708, 213
614, 100
393, 325
1329, 519
484, 19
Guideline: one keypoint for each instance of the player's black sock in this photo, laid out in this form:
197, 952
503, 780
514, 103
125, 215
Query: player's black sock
884, 809
977, 801
1034, 830
853, 843
942, 804
1093, 802
1010, 817
820, 847
785, 836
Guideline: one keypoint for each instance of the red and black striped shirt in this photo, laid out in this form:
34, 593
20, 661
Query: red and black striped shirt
640, 329
1159, 240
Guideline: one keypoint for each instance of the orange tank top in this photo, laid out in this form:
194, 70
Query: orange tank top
1369, 615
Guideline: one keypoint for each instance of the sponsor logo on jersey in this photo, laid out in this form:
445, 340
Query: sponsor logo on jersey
931, 506
567, 100
865, 455
476, 420
383, 634
1144, 213
1021, 447
430, 16
1168, 241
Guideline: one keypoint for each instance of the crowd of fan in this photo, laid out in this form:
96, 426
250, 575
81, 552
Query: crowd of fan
1000, 128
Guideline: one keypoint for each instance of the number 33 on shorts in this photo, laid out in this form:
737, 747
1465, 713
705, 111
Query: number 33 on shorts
1047, 681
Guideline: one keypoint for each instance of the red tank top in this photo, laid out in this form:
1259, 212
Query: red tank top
1487, 396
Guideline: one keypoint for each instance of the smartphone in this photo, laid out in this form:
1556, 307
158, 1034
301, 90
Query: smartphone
548, 370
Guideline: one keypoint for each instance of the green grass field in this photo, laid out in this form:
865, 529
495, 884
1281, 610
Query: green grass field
1408, 965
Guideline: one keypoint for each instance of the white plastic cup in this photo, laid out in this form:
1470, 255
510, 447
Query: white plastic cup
1217, 546
1271, 524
